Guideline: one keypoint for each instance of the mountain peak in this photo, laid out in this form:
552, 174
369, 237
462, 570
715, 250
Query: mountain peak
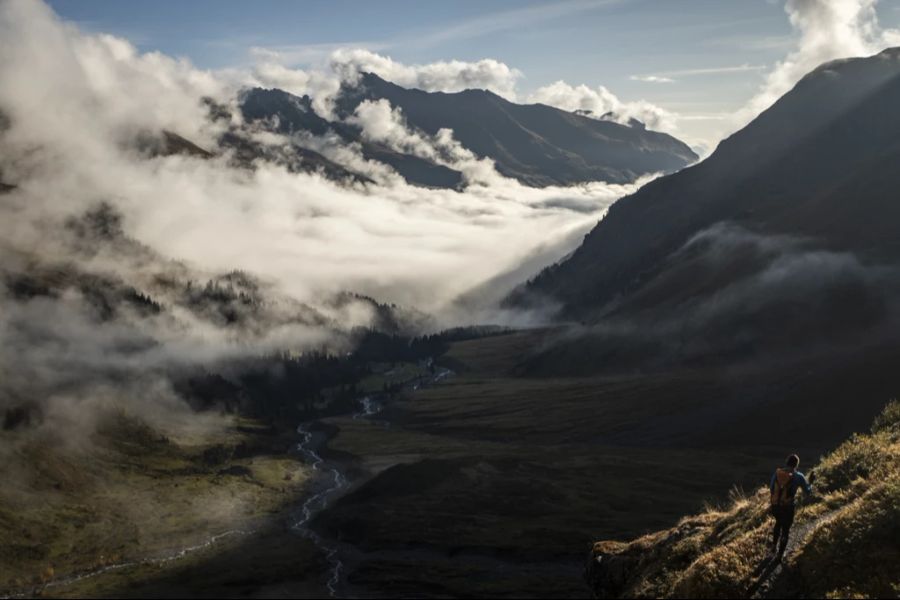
803, 179
537, 144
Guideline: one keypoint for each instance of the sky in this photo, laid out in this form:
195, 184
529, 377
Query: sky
701, 60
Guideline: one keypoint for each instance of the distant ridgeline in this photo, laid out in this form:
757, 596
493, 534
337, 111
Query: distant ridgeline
536, 144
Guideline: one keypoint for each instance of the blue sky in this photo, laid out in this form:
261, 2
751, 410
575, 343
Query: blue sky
716, 51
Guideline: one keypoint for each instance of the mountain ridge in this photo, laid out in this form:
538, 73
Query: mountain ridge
647, 212
536, 144
784, 239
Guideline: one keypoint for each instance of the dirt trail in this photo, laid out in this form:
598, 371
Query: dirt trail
773, 571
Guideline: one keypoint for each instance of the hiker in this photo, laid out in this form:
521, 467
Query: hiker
785, 482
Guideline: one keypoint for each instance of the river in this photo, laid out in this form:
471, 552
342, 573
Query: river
332, 482
329, 483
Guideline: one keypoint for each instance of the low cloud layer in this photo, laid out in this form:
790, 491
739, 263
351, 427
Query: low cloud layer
77, 101
732, 296
77, 111
147, 286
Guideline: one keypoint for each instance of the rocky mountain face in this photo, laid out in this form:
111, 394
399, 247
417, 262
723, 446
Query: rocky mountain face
536, 144
288, 114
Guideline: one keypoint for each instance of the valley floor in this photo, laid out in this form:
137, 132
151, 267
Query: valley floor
485, 484
494, 485
135, 512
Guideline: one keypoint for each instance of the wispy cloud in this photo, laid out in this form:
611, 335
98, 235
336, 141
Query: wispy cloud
651, 79
519, 18
506, 20
669, 76
754, 42
311, 54
704, 117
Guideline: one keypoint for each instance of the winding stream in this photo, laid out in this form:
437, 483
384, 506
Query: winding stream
334, 481
155, 561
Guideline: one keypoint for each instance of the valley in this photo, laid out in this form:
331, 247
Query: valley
283, 316
135, 505
496, 485
491, 485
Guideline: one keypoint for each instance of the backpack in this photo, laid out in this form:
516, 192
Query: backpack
781, 490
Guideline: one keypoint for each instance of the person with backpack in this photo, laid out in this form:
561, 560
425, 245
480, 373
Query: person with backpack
784, 485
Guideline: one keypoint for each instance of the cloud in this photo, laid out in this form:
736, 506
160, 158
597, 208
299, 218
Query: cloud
450, 76
667, 76
753, 42
100, 306
827, 30
98, 73
383, 124
346, 64
507, 20
88, 301
787, 298
313, 55
839, 293
651, 79
269, 72
602, 103
272, 69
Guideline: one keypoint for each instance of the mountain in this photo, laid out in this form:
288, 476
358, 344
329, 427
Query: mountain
787, 232
289, 114
845, 542
538, 145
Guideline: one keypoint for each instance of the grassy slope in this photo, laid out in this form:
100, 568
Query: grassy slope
845, 543
132, 494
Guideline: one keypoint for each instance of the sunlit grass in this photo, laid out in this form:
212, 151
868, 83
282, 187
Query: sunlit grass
848, 544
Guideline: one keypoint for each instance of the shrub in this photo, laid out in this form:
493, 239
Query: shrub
889, 419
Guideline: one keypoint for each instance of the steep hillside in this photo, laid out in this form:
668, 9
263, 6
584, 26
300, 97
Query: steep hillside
288, 114
536, 144
845, 541
816, 168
